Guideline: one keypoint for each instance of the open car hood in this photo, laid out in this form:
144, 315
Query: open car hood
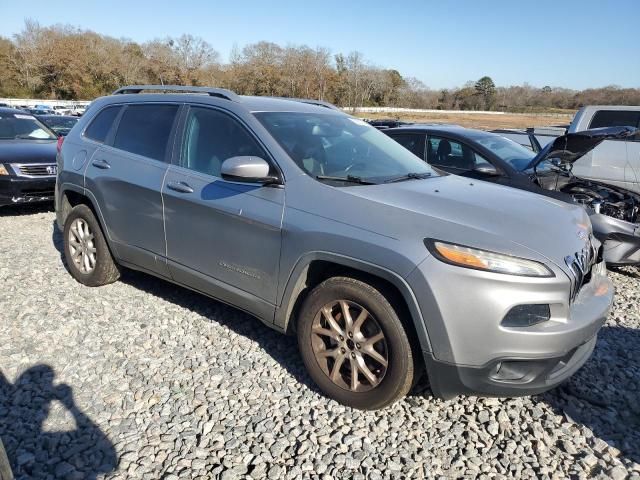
570, 147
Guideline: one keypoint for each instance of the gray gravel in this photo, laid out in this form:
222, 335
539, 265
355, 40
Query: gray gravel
141, 379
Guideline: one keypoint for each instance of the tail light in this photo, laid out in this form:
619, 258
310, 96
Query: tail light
60, 140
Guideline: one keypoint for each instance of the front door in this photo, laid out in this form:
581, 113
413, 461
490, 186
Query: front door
223, 237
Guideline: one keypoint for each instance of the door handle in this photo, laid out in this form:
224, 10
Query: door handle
181, 187
103, 164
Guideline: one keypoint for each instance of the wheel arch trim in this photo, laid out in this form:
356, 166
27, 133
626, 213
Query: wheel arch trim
296, 282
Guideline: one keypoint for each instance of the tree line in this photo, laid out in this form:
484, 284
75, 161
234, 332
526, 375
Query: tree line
65, 62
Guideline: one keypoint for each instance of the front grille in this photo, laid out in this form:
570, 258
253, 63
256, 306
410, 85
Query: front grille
35, 170
42, 194
581, 267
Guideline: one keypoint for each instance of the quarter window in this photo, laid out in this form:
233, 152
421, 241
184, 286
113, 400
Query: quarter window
100, 126
211, 137
144, 130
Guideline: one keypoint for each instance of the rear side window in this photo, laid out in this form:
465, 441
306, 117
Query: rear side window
211, 137
615, 118
412, 142
100, 126
144, 130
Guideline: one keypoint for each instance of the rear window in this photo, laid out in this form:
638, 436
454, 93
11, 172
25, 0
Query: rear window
100, 126
144, 129
615, 118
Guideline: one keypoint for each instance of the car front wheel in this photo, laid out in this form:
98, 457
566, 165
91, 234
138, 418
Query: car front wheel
354, 345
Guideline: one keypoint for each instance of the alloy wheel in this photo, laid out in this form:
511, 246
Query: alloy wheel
82, 248
349, 346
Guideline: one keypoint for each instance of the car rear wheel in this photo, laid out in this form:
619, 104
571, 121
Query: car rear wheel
354, 345
86, 251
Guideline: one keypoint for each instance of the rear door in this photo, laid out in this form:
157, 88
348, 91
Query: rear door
125, 175
223, 237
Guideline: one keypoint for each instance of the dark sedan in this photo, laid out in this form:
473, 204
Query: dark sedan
27, 159
60, 124
614, 211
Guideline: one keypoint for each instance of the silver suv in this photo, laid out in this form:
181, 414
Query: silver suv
320, 225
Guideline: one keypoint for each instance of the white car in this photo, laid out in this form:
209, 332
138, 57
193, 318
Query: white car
62, 109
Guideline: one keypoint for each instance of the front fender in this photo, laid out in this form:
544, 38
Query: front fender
298, 277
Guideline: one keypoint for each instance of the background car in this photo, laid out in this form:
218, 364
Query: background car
39, 111
62, 109
614, 211
60, 124
27, 158
617, 161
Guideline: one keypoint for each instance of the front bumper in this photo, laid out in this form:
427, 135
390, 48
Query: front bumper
472, 352
14, 190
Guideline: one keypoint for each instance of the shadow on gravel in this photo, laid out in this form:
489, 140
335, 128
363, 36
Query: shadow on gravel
605, 394
25, 209
34, 446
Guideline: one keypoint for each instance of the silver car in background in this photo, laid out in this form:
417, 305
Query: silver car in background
616, 162
321, 226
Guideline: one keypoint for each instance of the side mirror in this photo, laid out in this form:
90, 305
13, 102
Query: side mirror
487, 169
247, 169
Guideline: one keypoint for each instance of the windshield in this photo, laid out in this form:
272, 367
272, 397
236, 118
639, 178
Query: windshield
508, 150
329, 145
23, 126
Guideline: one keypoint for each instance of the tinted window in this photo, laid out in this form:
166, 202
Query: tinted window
451, 155
211, 137
100, 126
144, 129
412, 142
615, 118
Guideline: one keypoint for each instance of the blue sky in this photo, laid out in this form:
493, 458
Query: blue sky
575, 44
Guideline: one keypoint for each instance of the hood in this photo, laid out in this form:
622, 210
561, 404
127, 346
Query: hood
460, 210
28, 151
570, 147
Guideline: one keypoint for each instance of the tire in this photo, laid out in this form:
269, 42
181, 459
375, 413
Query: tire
82, 231
323, 348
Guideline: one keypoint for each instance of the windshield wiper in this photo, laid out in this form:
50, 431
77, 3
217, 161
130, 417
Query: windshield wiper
409, 176
347, 179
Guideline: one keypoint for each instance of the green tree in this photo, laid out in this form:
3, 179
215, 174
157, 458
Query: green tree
486, 89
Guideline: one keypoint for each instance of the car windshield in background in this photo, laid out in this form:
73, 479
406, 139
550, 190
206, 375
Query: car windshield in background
342, 148
14, 126
59, 124
508, 150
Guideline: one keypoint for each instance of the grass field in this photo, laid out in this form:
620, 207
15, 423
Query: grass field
479, 120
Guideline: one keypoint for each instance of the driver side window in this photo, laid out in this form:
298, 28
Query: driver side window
211, 137
452, 156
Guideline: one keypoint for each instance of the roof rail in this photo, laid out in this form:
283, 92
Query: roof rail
318, 103
214, 92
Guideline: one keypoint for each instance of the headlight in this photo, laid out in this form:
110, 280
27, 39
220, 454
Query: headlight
3, 170
483, 260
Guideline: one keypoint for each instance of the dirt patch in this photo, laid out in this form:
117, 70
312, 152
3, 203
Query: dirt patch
479, 120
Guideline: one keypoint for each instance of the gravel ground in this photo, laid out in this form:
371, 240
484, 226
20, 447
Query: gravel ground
142, 379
